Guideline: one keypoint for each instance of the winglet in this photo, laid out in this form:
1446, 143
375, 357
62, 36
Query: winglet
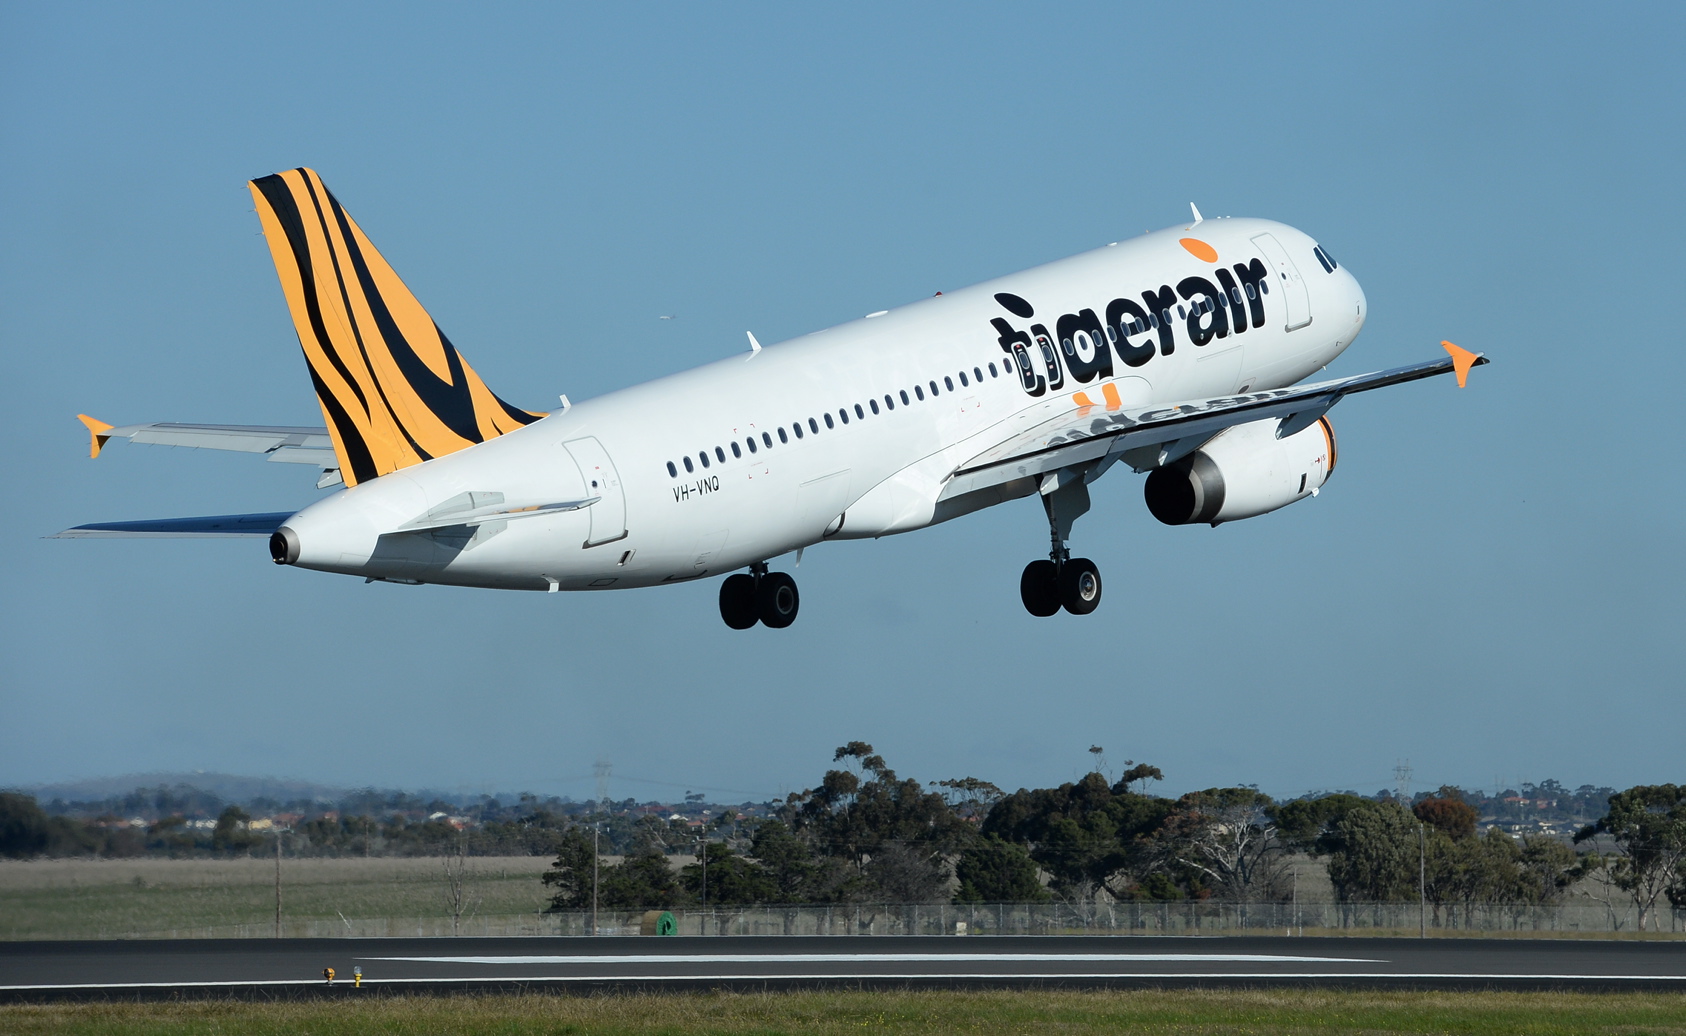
1462, 361
96, 438
754, 346
1198, 218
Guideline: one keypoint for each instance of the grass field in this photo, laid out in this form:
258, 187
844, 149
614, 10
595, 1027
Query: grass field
98, 899
1163, 1013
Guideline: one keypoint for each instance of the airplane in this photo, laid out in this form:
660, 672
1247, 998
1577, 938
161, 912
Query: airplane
1178, 353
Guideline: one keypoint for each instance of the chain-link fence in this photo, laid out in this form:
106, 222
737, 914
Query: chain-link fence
1189, 917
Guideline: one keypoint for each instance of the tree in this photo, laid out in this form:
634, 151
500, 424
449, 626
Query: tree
571, 874
971, 798
1085, 834
1546, 869
882, 816
1372, 853
1448, 812
230, 834
794, 873
1226, 835
904, 873
23, 826
458, 896
1307, 825
1647, 825
732, 880
642, 881
996, 871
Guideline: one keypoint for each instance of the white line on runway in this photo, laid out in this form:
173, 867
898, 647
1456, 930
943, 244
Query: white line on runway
1153, 975
874, 958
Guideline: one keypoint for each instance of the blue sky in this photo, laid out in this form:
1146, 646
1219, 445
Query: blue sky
1490, 586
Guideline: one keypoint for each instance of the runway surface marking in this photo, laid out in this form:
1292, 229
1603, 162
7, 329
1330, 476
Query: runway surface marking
1156, 975
892, 958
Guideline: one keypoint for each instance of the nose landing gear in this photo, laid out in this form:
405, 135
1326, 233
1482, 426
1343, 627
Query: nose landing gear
1062, 581
769, 598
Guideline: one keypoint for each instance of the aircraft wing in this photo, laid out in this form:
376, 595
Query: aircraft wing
214, 526
1089, 432
288, 444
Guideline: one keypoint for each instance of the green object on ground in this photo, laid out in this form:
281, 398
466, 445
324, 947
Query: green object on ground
666, 925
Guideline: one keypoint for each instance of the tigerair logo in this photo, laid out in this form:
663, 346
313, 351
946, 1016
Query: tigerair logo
1084, 346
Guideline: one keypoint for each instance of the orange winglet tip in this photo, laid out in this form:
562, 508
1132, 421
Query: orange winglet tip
1462, 361
96, 436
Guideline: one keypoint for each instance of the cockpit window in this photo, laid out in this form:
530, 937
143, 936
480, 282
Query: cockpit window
1325, 258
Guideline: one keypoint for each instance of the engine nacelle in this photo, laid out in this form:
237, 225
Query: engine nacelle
1243, 472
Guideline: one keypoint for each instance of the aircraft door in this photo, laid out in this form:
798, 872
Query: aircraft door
1295, 298
608, 514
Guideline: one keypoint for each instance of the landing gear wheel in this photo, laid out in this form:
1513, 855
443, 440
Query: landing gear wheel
737, 601
777, 600
1080, 586
1039, 588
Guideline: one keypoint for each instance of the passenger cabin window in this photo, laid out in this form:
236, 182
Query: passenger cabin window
688, 466
862, 413
828, 422
750, 442
991, 372
873, 403
703, 456
963, 381
672, 471
797, 428
720, 453
918, 393
767, 440
783, 437
737, 451
904, 397
948, 382
813, 426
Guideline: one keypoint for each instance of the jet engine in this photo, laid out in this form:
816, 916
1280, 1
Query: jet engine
1242, 472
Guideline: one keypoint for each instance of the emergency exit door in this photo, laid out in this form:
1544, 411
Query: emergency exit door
1285, 277
608, 514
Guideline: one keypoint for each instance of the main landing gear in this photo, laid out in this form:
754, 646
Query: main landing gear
1062, 581
758, 595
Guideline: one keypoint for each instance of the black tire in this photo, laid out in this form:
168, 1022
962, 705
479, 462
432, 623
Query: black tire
777, 600
737, 602
1080, 586
1039, 588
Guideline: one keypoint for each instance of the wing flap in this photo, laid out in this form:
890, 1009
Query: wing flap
216, 526
1088, 432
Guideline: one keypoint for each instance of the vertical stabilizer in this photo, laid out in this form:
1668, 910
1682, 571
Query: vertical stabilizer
393, 389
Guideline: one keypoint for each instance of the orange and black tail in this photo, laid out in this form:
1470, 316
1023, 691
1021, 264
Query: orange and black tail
393, 389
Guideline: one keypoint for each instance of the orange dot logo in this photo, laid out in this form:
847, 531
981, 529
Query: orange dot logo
1200, 250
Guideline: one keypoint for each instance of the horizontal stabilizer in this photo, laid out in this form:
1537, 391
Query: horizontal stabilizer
242, 438
213, 526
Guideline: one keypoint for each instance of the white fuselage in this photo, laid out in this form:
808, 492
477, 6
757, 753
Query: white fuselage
871, 475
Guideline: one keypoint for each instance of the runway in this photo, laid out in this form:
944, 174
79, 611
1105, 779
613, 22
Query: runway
285, 967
